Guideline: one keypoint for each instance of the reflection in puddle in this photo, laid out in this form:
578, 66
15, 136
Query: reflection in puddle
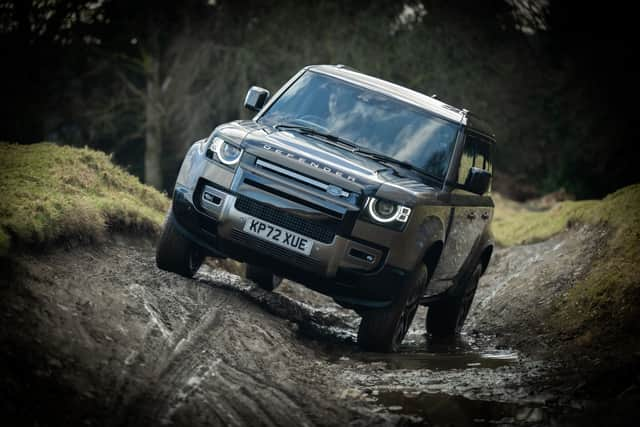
440, 361
438, 409
437, 355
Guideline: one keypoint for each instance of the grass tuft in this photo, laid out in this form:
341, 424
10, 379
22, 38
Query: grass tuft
54, 193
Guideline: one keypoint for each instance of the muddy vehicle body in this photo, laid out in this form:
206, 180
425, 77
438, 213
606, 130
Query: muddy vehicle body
366, 191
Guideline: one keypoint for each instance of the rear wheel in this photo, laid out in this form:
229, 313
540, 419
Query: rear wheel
384, 329
446, 317
175, 253
262, 277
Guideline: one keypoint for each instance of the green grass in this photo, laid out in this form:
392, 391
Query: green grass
54, 193
514, 223
606, 302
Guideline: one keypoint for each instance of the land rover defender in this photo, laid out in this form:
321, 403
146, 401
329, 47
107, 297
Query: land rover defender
364, 190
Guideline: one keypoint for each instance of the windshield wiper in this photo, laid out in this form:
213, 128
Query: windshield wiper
311, 131
388, 159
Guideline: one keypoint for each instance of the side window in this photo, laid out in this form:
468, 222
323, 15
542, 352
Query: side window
466, 161
483, 155
476, 153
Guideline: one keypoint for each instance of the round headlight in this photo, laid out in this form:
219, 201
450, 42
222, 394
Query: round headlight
227, 153
382, 210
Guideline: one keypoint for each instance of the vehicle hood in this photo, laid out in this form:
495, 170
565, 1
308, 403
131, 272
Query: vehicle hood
313, 156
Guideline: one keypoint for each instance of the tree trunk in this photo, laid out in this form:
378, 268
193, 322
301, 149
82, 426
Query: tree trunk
153, 126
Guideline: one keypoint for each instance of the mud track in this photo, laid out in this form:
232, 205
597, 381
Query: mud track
100, 336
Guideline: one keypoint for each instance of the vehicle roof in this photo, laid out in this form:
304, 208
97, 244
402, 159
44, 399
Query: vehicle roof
419, 99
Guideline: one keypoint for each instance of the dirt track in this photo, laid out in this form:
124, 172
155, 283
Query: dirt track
100, 336
147, 347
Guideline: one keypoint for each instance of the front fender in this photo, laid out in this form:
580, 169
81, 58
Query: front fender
427, 226
193, 165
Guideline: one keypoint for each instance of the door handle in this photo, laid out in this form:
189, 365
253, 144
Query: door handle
471, 215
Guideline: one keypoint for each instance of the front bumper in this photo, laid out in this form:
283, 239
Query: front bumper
352, 272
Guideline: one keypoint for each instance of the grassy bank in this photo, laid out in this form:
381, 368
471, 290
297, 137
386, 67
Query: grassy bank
606, 302
54, 193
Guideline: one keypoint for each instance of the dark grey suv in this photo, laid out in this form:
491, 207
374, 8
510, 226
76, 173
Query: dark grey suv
366, 191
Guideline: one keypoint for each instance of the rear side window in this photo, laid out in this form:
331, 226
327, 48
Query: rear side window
466, 161
477, 154
483, 154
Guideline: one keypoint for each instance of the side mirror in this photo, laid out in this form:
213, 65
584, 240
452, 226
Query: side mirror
256, 98
478, 181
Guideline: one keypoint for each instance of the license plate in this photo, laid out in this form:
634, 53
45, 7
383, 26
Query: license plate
278, 235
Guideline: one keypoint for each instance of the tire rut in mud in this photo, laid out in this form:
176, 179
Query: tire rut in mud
141, 346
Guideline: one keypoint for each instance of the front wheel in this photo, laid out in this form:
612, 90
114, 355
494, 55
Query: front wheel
262, 277
446, 317
384, 329
175, 253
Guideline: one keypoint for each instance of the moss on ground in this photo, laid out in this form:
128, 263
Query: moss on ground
514, 223
54, 193
605, 302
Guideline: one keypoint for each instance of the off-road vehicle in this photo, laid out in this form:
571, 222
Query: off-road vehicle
366, 191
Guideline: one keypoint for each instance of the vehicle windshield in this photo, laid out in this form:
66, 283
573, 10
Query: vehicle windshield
367, 118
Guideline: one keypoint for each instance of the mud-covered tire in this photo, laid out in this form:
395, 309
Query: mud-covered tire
262, 277
383, 330
446, 317
175, 253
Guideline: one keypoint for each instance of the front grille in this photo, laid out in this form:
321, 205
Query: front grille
276, 251
284, 219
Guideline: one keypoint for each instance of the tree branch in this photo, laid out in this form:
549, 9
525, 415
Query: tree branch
132, 88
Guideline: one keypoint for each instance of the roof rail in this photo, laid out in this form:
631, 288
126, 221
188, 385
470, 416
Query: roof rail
345, 67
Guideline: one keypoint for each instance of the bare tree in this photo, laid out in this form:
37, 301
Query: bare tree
178, 92
153, 118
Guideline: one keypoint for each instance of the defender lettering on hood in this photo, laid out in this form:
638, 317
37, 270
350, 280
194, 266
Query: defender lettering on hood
312, 163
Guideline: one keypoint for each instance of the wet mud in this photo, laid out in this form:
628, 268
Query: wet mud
100, 336
443, 409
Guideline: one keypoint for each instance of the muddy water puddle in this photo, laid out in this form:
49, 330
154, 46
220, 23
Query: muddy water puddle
439, 409
467, 381
463, 352
441, 361
457, 385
